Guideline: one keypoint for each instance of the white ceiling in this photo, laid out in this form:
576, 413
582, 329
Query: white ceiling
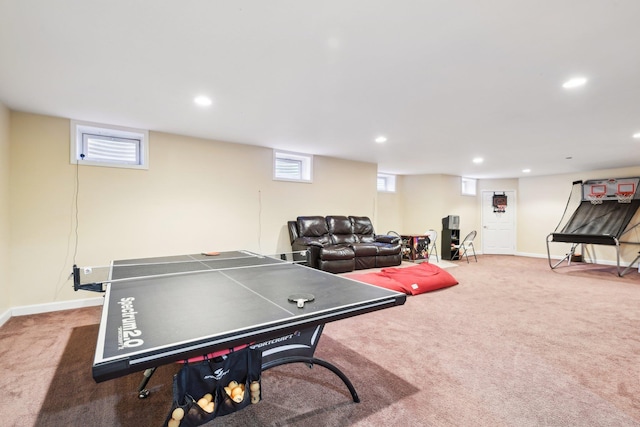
444, 80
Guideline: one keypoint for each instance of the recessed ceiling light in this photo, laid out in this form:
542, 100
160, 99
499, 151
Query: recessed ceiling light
636, 135
574, 82
478, 160
526, 170
202, 101
381, 139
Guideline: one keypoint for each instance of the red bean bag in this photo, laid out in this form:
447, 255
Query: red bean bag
413, 280
378, 279
421, 278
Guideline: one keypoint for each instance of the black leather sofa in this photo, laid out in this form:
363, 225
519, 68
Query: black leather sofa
340, 244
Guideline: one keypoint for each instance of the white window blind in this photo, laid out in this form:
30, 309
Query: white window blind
386, 183
288, 168
111, 149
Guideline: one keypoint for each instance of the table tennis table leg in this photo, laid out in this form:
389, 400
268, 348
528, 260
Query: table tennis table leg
142, 388
314, 361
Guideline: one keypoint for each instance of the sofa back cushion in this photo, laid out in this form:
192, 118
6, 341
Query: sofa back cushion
363, 229
340, 229
312, 226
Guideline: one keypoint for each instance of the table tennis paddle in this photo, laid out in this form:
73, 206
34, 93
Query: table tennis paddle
301, 299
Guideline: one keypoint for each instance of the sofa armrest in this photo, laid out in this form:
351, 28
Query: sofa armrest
293, 231
381, 238
308, 243
313, 246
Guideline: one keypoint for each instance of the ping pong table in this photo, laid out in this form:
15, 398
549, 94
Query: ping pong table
163, 310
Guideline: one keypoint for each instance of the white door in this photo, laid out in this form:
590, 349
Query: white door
498, 228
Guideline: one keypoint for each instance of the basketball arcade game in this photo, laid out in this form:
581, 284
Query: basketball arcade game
605, 209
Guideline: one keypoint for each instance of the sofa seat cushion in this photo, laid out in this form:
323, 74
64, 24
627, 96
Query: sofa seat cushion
337, 265
365, 262
336, 252
365, 249
387, 249
388, 260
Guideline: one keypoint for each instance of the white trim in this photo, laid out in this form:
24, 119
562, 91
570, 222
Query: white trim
56, 306
76, 127
5, 316
532, 255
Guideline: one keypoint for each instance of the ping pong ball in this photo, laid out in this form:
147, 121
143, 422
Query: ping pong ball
208, 396
255, 399
255, 385
227, 390
236, 391
203, 402
239, 398
177, 414
233, 384
173, 423
209, 408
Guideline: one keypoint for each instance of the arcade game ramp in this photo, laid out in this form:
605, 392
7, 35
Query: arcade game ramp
602, 217
602, 222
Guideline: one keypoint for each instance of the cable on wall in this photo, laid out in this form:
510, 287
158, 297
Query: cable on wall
73, 232
77, 192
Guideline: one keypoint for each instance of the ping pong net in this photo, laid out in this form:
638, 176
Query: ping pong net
95, 278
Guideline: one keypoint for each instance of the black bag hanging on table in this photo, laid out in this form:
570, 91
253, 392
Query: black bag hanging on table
198, 384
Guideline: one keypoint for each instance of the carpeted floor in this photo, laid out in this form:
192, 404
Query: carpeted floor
514, 344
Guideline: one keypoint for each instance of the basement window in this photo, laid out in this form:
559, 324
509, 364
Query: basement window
469, 186
113, 146
386, 183
292, 166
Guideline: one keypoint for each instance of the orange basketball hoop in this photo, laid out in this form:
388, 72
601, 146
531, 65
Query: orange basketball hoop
595, 198
624, 197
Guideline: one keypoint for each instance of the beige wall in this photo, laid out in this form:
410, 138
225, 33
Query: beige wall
426, 199
5, 300
198, 195
390, 210
202, 195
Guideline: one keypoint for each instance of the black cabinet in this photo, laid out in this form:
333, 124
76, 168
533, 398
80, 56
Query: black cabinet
450, 239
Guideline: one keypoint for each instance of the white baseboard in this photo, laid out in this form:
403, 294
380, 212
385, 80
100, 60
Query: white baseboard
55, 306
5, 316
531, 255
